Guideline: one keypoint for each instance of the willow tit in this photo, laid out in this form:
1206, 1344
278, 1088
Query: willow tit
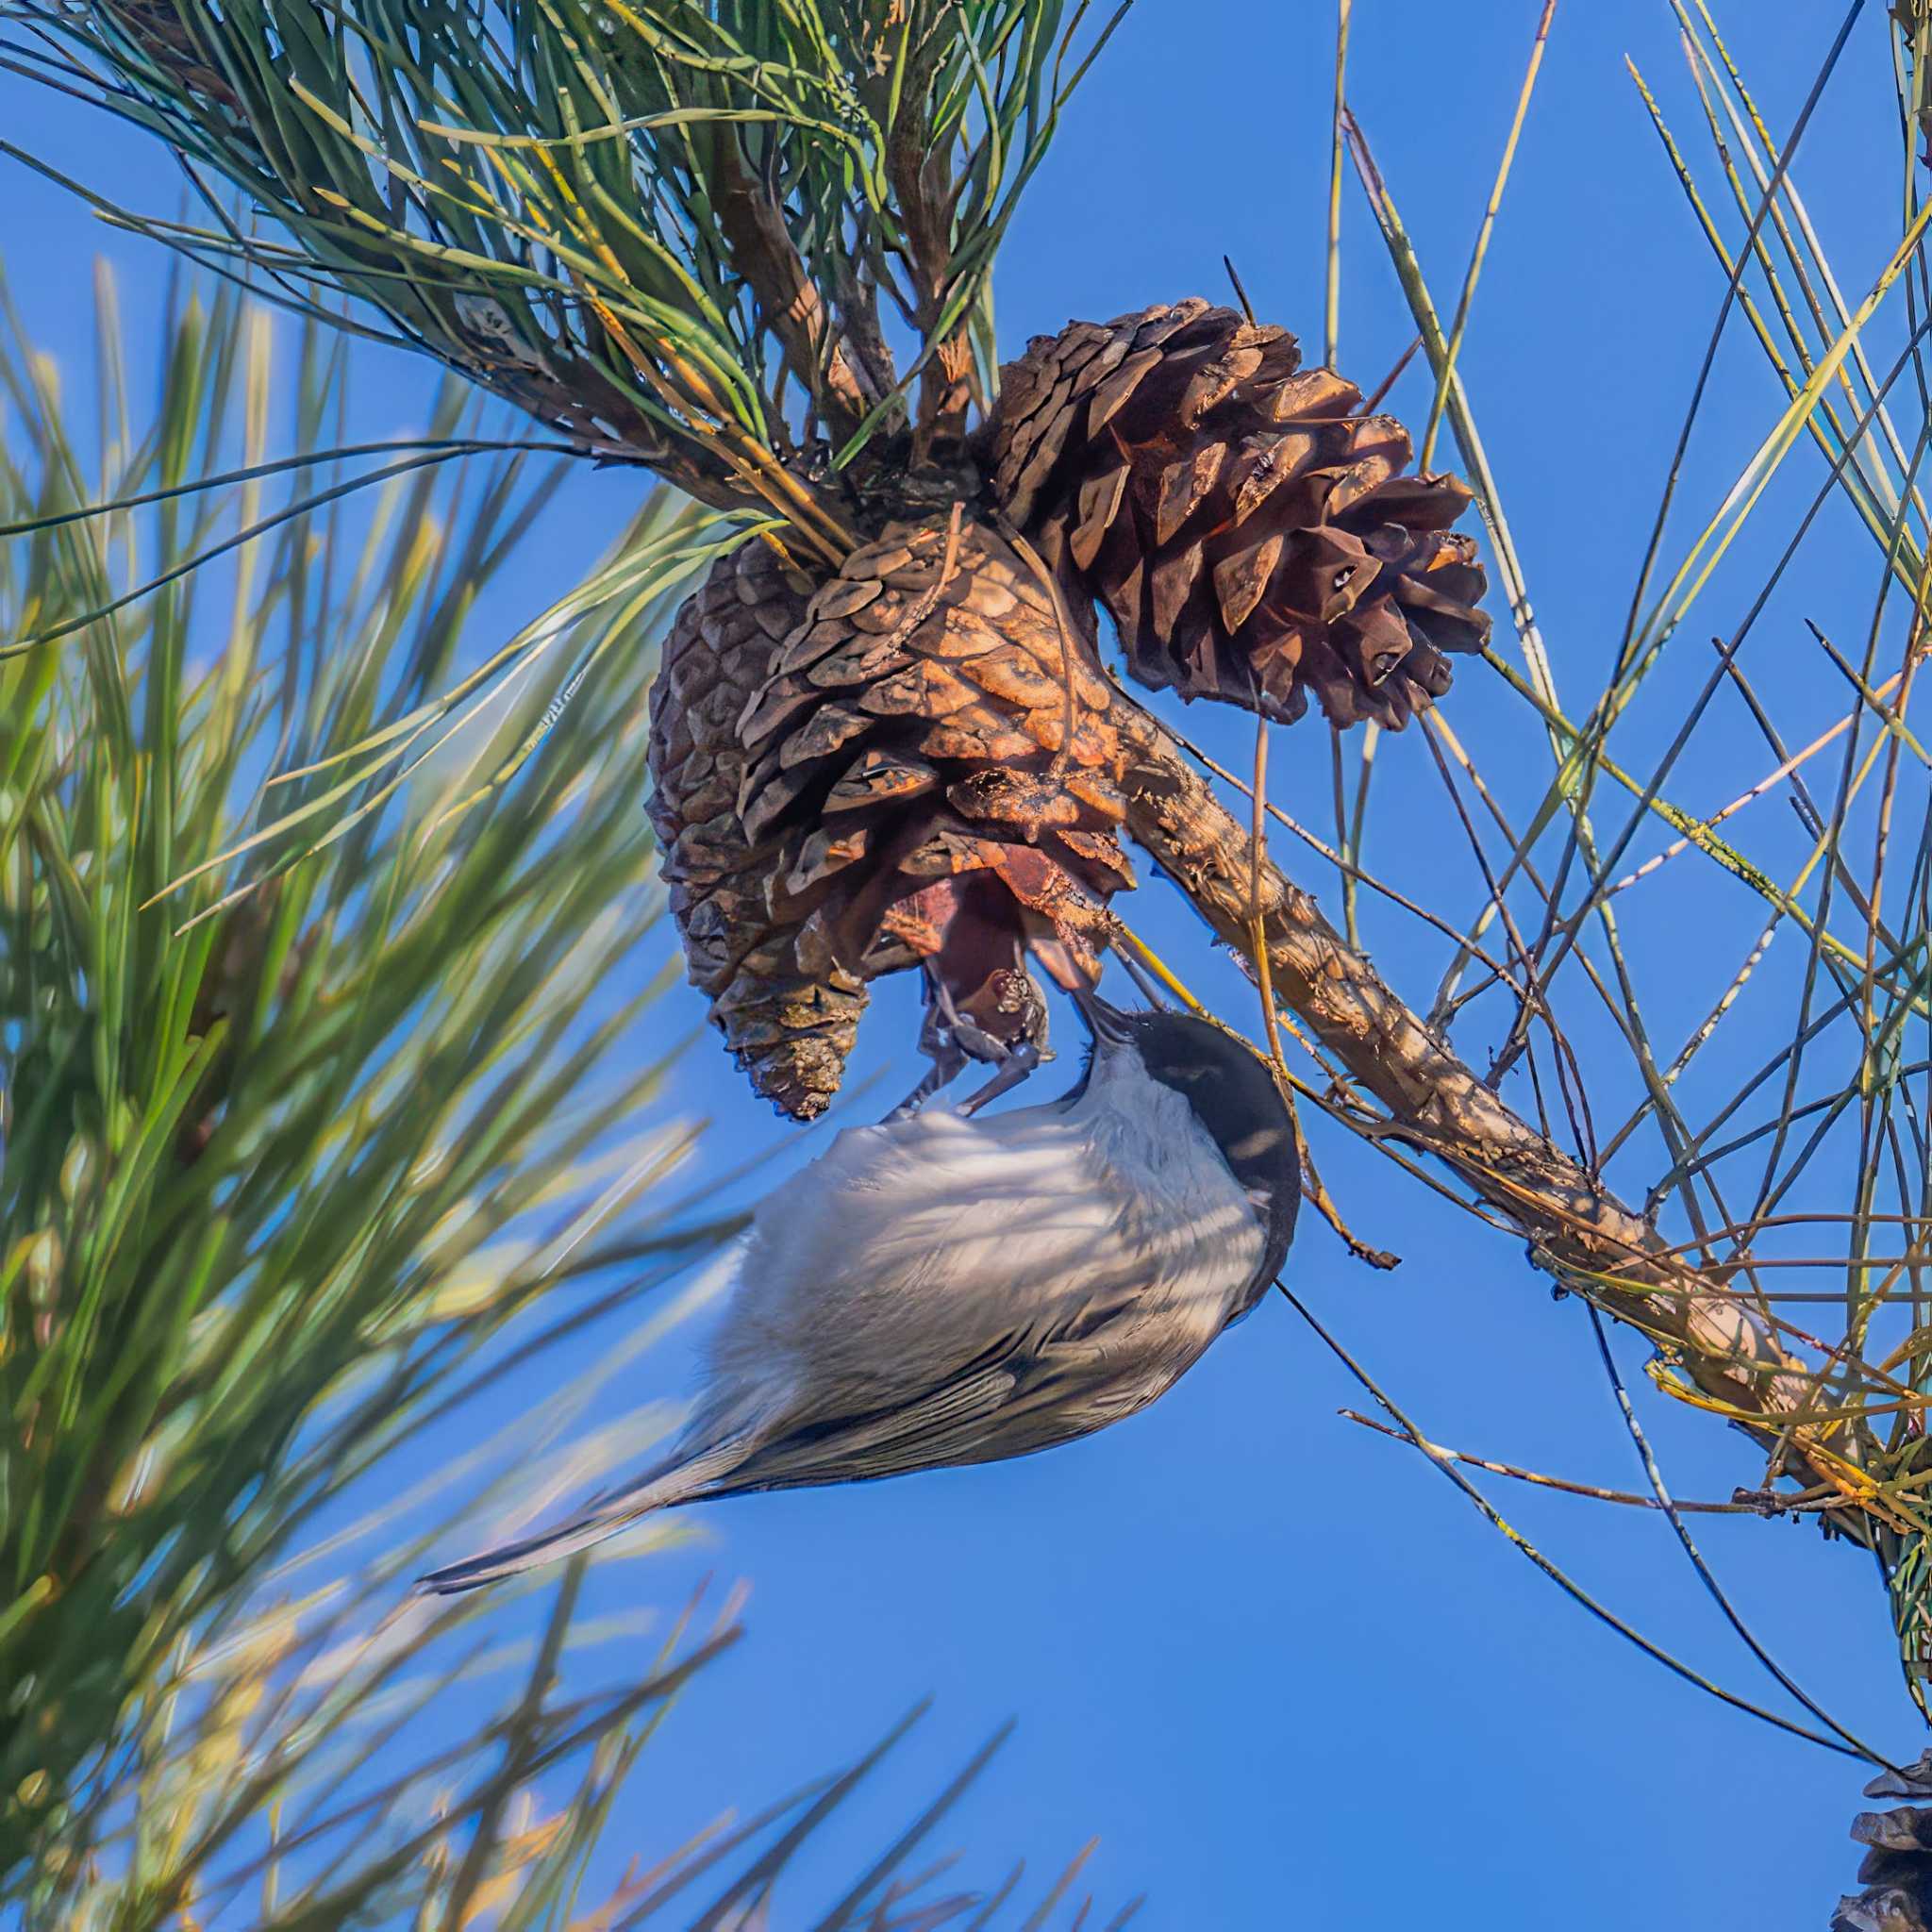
945, 1288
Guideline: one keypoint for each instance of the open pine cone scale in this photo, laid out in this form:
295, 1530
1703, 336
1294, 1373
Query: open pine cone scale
937, 714
789, 1024
1252, 534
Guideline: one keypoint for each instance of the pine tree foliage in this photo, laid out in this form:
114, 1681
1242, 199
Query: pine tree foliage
750, 247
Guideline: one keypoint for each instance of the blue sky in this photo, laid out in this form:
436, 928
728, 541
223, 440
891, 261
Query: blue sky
1281, 1670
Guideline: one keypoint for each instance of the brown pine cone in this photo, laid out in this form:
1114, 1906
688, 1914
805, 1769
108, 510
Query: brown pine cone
1252, 536
933, 743
790, 1028
1897, 1869
925, 773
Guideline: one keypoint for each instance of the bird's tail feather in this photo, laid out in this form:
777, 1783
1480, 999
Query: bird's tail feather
671, 1482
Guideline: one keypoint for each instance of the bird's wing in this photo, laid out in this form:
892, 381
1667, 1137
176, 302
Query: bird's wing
1028, 1392
943, 1427
898, 1262
940, 1291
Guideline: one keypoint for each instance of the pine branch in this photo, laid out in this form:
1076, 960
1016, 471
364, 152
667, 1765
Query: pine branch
1579, 1232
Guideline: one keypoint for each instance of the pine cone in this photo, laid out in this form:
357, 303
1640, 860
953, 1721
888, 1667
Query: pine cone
790, 1028
935, 748
1250, 535
924, 772
1897, 1869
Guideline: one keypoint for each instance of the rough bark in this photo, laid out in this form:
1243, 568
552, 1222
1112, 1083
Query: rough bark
924, 192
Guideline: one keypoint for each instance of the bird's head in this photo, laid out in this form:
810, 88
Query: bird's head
1232, 1089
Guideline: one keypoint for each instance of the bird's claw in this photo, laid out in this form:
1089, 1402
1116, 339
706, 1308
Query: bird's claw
950, 1038
1015, 1063
939, 1041
948, 1062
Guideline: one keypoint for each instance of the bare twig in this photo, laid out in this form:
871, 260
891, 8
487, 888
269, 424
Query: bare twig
1744, 1504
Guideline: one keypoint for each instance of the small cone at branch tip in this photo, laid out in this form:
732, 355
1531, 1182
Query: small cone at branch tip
1250, 532
918, 770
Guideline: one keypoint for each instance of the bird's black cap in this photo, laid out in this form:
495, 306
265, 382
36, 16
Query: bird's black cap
1235, 1097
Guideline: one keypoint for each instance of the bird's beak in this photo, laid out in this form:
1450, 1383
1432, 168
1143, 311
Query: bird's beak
1106, 1020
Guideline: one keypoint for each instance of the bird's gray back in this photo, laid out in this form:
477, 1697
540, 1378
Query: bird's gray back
1102, 1243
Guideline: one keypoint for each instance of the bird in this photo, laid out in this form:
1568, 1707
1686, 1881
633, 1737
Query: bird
952, 1286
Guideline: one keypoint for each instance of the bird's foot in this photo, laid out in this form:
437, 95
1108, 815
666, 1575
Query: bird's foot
949, 1039
948, 1061
972, 1037
939, 1041
1016, 1062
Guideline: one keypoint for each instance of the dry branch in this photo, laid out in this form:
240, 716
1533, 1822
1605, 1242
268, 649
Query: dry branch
753, 224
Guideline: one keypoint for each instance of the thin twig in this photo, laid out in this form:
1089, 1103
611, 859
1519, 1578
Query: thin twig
1671, 1509
1570, 1587
1764, 1505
